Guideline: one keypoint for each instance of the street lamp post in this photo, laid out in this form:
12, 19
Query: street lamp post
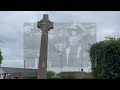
61, 64
61, 61
24, 66
24, 63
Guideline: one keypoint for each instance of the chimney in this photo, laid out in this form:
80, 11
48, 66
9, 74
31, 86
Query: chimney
81, 70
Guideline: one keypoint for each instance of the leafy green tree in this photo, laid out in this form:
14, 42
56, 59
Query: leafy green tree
68, 77
30, 77
50, 74
105, 59
88, 77
1, 57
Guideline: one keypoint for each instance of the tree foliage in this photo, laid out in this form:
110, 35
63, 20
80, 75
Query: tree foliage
105, 59
68, 77
88, 77
30, 77
50, 74
1, 57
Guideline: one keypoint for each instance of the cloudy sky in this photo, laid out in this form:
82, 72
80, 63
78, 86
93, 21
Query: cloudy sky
11, 28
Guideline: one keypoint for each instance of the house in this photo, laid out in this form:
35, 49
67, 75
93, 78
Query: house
76, 74
16, 73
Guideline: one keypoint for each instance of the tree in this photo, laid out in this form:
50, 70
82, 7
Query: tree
68, 77
1, 58
105, 59
50, 74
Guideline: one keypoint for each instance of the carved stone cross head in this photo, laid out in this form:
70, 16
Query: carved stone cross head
45, 23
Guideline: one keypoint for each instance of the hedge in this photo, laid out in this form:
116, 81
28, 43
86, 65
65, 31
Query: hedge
105, 59
1, 57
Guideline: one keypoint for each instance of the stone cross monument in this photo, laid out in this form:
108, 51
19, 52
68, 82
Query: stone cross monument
45, 25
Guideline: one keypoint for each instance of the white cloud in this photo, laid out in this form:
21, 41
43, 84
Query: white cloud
11, 27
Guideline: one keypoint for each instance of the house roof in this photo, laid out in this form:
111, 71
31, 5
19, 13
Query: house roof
15, 70
1, 71
77, 74
22, 74
70, 72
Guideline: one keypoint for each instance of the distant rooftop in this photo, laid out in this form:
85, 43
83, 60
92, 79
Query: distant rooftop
15, 70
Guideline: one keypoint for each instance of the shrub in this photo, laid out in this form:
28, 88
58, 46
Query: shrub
105, 59
50, 74
68, 77
1, 58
